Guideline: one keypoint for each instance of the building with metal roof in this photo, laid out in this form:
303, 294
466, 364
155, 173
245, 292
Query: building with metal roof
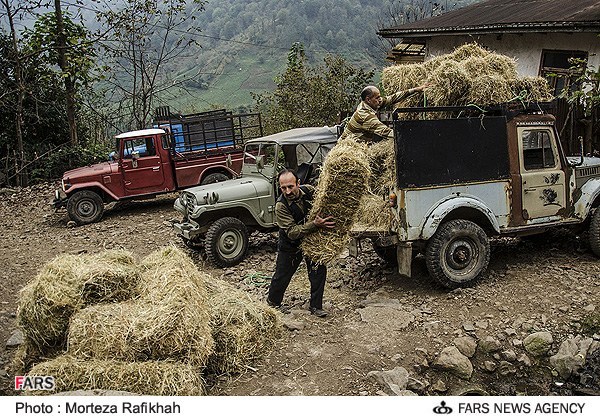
541, 34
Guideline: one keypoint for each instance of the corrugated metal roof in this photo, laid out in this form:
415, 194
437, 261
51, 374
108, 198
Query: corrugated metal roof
501, 16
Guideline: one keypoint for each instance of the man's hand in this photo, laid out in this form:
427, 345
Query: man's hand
327, 222
423, 87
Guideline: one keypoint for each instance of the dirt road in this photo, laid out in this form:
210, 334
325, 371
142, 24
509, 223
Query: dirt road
379, 321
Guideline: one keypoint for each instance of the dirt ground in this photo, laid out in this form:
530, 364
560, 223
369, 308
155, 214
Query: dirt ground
378, 319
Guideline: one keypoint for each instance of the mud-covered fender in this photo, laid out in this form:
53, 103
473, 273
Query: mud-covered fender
585, 197
439, 212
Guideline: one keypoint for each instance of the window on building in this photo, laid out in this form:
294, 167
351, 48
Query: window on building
556, 67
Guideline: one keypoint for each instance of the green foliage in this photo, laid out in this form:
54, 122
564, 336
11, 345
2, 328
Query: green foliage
45, 126
53, 164
586, 90
80, 53
311, 95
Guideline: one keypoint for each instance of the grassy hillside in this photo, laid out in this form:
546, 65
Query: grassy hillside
245, 43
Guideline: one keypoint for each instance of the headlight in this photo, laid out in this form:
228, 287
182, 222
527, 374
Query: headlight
66, 184
188, 201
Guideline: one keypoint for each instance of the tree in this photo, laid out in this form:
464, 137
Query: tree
10, 12
60, 41
147, 39
311, 96
584, 91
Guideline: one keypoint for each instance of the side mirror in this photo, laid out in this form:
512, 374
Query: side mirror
134, 157
260, 162
580, 138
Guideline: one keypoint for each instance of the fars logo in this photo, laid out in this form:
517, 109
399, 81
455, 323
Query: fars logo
34, 382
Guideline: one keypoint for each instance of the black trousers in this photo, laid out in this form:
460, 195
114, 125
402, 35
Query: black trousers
286, 265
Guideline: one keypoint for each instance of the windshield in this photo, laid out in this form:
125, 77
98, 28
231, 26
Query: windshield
267, 151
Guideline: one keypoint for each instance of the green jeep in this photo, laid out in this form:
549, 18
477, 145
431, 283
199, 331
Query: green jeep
221, 216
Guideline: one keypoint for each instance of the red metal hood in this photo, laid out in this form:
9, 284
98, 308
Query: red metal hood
91, 171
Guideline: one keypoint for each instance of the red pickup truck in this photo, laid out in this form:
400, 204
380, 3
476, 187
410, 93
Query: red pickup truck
179, 152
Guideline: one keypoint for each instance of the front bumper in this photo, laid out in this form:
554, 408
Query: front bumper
188, 230
60, 199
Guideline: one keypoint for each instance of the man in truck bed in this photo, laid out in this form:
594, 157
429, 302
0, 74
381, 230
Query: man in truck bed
364, 122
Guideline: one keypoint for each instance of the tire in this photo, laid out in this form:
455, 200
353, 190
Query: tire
457, 254
594, 233
85, 207
214, 178
226, 242
387, 254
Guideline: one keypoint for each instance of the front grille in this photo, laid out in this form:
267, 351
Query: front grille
589, 171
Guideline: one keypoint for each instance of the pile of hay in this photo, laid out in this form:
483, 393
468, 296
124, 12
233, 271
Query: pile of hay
244, 330
468, 75
342, 182
156, 337
65, 285
158, 378
168, 321
382, 162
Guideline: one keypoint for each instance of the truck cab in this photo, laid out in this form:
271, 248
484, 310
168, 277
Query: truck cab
460, 181
218, 218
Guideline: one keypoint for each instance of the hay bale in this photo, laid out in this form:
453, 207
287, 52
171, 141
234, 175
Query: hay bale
158, 378
401, 77
169, 319
450, 83
466, 51
533, 89
344, 178
28, 354
501, 65
490, 89
67, 284
244, 330
468, 75
382, 162
475, 65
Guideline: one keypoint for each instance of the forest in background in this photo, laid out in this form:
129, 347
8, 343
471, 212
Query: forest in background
74, 73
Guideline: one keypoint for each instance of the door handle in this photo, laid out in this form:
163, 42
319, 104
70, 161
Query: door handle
529, 190
156, 168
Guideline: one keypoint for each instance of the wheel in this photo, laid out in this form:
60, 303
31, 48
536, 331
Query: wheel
226, 242
458, 253
85, 207
387, 254
214, 178
594, 233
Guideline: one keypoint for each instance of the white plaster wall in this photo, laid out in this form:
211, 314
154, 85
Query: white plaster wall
526, 48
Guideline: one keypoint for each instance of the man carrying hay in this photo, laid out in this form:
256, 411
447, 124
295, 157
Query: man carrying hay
364, 122
291, 213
